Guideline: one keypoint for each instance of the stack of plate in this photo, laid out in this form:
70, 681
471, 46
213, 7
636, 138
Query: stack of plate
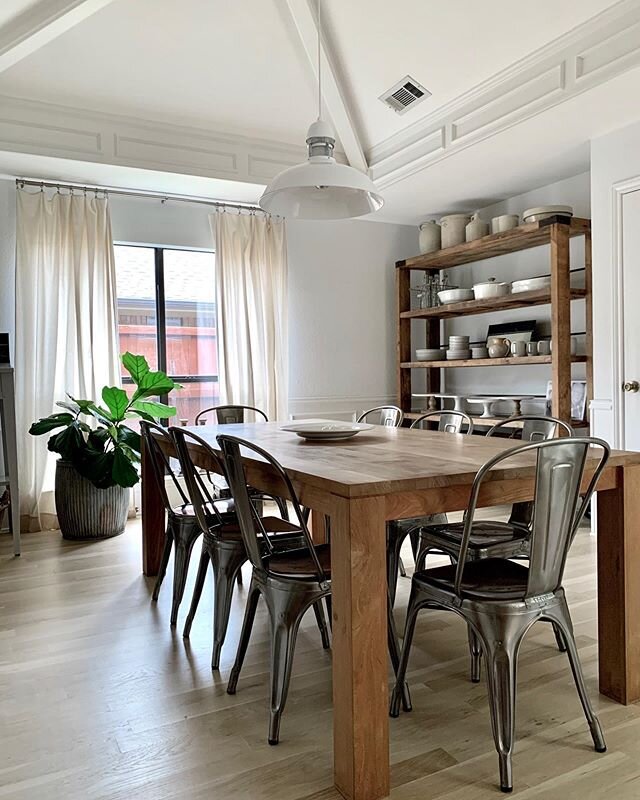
458, 348
430, 354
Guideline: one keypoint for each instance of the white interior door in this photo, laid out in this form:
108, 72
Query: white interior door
631, 319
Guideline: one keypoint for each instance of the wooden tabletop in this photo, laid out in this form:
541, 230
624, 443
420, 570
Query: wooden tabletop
384, 460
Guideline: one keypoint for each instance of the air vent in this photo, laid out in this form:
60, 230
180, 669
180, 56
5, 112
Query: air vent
406, 94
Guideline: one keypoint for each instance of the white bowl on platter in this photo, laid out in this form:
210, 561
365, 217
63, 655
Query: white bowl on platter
455, 295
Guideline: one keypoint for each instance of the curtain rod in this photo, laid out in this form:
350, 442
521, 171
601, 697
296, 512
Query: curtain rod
183, 198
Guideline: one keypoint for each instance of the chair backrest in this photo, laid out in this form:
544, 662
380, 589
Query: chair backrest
250, 522
152, 435
535, 427
448, 422
228, 415
557, 505
389, 416
200, 496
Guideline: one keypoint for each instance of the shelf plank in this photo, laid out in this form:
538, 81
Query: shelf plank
531, 234
519, 361
536, 297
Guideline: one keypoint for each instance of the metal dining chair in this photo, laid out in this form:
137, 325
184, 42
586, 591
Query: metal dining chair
290, 582
398, 530
501, 599
222, 544
389, 416
229, 414
491, 538
182, 526
232, 415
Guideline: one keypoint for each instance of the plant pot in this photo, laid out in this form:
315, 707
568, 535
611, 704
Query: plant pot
85, 512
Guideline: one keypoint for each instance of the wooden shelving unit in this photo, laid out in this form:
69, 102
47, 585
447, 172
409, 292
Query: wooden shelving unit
555, 232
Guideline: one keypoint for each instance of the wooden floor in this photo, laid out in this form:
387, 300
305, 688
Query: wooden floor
100, 700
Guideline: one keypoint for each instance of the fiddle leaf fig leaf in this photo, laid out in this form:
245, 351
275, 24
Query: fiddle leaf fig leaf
116, 401
47, 424
153, 409
123, 472
136, 366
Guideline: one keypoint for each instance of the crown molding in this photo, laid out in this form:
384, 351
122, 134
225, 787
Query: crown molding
591, 54
29, 126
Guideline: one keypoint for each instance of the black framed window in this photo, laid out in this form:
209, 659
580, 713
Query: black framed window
167, 312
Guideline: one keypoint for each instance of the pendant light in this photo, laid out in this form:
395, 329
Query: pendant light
321, 188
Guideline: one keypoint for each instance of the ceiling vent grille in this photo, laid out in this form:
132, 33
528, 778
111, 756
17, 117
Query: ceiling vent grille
406, 94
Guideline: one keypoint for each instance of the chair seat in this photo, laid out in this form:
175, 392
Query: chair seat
224, 507
299, 563
279, 528
495, 579
484, 533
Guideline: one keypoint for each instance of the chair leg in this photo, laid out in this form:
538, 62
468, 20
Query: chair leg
501, 643
318, 610
181, 557
394, 543
284, 626
245, 635
557, 630
476, 654
226, 563
329, 606
409, 628
166, 553
394, 654
401, 568
566, 627
197, 591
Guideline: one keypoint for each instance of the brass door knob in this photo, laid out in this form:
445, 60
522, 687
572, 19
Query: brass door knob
630, 386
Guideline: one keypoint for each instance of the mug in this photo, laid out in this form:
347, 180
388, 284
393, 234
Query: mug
532, 348
544, 347
518, 349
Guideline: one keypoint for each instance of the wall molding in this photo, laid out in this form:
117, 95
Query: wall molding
337, 407
29, 126
591, 54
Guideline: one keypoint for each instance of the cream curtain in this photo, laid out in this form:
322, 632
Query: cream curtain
66, 323
251, 298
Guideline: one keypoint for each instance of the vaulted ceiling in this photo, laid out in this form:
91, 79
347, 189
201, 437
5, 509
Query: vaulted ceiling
212, 90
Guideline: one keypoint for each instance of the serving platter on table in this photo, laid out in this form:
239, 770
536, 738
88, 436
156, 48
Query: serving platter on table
326, 430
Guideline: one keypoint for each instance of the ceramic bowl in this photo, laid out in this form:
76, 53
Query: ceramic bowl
455, 295
491, 288
530, 284
543, 212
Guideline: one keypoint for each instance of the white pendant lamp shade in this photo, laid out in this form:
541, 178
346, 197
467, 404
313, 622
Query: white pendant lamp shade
321, 188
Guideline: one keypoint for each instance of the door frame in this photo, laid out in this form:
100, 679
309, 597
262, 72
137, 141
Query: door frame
618, 192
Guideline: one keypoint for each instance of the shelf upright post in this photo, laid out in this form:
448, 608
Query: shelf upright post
403, 338
560, 322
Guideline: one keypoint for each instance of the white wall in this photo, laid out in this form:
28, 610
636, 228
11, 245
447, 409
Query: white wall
574, 191
615, 157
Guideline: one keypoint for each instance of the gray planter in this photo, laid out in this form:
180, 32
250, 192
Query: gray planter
85, 512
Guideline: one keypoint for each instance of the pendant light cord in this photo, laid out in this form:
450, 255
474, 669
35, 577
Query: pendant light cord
319, 64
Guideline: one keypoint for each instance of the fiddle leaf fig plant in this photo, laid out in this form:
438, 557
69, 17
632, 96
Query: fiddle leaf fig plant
108, 451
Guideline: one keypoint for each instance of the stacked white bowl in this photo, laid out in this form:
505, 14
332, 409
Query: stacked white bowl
430, 354
458, 348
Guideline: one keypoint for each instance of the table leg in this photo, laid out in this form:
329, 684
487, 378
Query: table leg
153, 517
619, 587
360, 690
318, 527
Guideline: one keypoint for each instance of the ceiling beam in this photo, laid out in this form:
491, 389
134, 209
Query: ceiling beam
40, 24
304, 20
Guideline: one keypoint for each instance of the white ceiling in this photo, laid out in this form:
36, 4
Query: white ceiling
240, 68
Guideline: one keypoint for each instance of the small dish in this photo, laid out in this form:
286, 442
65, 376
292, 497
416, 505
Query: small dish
455, 295
543, 212
326, 431
530, 284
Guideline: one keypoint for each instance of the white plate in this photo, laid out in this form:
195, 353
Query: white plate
542, 212
326, 431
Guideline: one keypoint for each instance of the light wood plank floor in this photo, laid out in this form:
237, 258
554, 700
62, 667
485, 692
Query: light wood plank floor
100, 700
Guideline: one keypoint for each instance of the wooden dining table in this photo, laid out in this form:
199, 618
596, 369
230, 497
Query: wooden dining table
386, 474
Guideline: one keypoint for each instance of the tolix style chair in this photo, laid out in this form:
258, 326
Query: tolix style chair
223, 545
501, 599
290, 582
389, 416
182, 529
